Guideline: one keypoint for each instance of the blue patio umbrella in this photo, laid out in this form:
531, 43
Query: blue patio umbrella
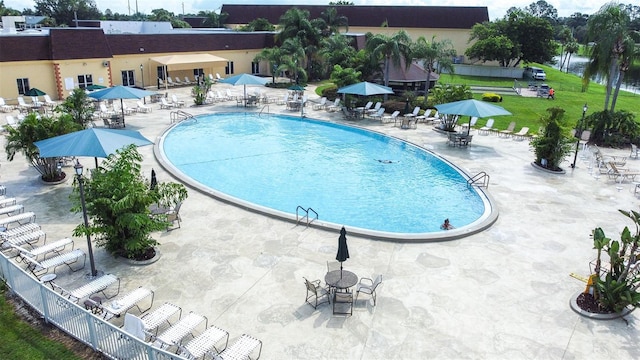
245, 79
365, 89
471, 107
343, 250
120, 92
93, 142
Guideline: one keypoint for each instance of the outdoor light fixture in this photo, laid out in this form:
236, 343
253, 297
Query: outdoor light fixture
78, 168
142, 76
579, 134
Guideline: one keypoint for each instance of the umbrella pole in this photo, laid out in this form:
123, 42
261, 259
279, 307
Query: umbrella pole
96, 159
122, 108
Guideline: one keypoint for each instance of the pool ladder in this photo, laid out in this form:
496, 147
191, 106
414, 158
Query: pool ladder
306, 212
262, 110
179, 115
480, 179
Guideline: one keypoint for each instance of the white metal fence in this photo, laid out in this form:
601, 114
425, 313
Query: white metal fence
73, 319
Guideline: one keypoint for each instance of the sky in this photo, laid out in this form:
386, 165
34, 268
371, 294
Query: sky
496, 11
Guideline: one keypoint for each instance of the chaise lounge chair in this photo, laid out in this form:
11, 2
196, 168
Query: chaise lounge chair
42, 267
122, 304
204, 343
173, 336
242, 348
95, 286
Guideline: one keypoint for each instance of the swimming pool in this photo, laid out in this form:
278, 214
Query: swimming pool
371, 183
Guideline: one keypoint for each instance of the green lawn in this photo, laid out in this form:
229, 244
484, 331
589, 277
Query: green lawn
569, 96
20, 341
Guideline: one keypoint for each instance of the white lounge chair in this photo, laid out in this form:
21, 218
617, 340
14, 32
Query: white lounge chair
151, 321
467, 126
378, 114
320, 105
35, 102
122, 304
390, 118
53, 247
335, 106
5, 201
22, 104
509, 130
429, 118
522, 134
487, 128
367, 106
185, 326
4, 107
178, 82
375, 109
95, 286
284, 100
242, 348
48, 102
104, 112
414, 113
204, 343
23, 218
212, 78
11, 121
67, 258
218, 77
164, 104
176, 102
170, 81
142, 108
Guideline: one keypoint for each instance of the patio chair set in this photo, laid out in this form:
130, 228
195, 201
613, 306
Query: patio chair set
337, 289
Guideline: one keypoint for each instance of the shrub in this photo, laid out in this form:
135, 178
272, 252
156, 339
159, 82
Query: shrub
330, 92
491, 97
118, 198
555, 142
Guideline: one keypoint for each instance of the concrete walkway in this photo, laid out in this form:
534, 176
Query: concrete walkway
503, 293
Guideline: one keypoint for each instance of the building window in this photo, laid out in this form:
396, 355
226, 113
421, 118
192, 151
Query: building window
198, 74
229, 68
85, 80
128, 78
255, 68
23, 86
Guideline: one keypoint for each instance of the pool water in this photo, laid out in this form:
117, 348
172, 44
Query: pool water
349, 176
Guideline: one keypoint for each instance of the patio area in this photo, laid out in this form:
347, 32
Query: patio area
502, 293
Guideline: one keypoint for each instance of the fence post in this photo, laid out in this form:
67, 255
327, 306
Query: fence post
91, 325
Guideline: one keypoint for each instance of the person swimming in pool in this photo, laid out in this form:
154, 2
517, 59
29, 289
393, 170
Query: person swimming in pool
385, 161
446, 225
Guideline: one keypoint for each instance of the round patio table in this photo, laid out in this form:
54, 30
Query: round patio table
341, 279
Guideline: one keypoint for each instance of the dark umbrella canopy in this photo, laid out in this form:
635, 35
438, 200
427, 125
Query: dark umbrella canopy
343, 250
154, 181
93, 87
295, 88
35, 92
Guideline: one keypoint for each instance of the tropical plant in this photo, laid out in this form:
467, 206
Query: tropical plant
608, 29
443, 94
614, 129
555, 142
118, 198
616, 286
440, 53
78, 106
292, 60
331, 22
32, 129
390, 49
274, 56
336, 50
343, 77
296, 24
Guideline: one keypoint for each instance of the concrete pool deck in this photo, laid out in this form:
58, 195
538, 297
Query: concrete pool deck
501, 293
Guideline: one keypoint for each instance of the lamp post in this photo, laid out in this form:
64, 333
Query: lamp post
142, 75
579, 134
78, 167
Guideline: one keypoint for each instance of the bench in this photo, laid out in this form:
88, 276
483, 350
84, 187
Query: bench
68, 258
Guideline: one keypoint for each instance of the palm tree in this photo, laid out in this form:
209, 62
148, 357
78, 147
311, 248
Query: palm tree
33, 129
274, 57
332, 21
390, 49
628, 54
295, 24
432, 53
336, 50
292, 59
608, 28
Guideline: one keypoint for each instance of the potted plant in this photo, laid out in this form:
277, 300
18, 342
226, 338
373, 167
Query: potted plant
612, 289
555, 142
118, 200
32, 129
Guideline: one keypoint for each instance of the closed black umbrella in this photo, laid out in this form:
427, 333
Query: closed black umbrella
343, 250
154, 181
